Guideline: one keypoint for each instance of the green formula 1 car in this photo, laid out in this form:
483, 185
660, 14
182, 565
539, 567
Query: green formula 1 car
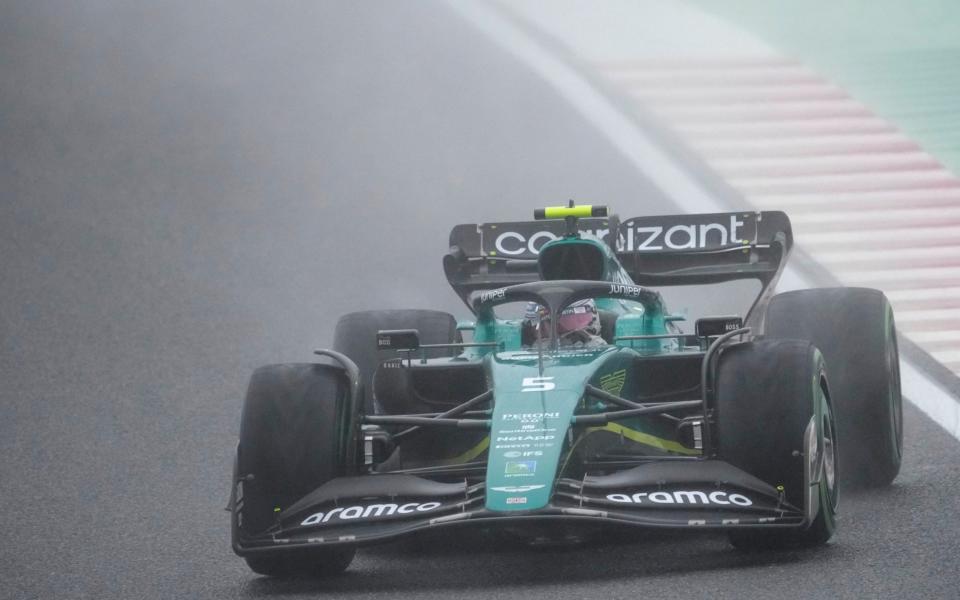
745, 424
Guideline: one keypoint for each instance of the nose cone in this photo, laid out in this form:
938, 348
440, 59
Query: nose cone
532, 412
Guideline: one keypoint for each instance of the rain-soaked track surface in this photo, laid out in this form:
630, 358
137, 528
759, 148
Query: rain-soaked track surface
192, 191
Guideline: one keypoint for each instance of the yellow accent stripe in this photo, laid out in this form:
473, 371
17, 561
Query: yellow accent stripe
646, 439
584, 211
470, 454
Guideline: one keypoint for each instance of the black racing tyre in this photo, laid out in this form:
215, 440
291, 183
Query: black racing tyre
768, 392
355, 336
855, 331
289, 446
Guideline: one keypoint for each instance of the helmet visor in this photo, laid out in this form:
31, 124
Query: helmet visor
578, 318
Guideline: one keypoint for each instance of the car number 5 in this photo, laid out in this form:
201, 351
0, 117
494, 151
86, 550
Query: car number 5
538, 384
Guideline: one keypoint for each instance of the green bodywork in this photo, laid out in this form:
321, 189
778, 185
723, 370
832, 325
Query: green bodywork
537, 393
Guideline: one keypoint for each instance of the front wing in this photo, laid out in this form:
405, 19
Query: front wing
370, 509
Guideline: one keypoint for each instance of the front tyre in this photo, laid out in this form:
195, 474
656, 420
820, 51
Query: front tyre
774, 421
289, 444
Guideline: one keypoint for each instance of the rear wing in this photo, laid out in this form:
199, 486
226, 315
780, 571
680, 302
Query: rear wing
654, 251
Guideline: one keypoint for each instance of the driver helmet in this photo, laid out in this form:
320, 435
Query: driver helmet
581, 318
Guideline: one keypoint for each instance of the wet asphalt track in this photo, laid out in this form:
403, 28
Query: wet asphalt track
189, 192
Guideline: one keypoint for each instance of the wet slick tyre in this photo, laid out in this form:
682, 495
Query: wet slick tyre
288, 447
356, 336
855, 331
773, 416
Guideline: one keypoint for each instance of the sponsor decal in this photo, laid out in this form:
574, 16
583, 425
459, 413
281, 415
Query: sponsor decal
682, 497
528, 417
516, 489
684, 237
387, 509
687, 232
508, 446
521, 467
622, 289
529, 429
522, 355
525, 453
612, 383
497, 294
517, 500
524, 438
515, 243
512, 243
538, 384
528, 449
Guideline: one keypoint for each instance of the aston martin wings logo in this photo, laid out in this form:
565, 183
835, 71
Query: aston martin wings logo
516, 489
612, 383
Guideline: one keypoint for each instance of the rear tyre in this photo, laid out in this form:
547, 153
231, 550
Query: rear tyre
355, 336
768, 394
288, 447
855, 331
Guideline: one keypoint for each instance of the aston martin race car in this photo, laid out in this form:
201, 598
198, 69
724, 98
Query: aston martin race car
415, 421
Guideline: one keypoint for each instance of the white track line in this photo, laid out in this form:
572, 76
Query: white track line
899, 305
865, 182
947, 356
765, 76
706, 94
863, 218
923, 294
818, 146
655, 164
911, 316
825, 109
936, 336
867, 200
933, 274
887, 253
784, 129
794, 166
673, 65
914, 237
930, 398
